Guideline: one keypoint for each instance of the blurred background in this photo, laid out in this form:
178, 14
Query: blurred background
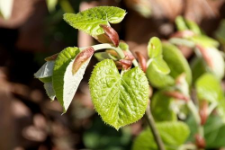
31, 30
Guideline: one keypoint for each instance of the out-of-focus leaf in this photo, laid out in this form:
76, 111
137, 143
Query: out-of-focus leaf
217, 63
214, 64
193, 27
97, 137
51, 5
209, 89
154, 47
6, 8
143, 7
66, 6
90, 20
193, 128
120, 100
214, 132
220, 33
44, 74
184, 24
176, 62
183, 42
160, 65
161, 107
180, 23
158, 79
198, 68
204, 41
173, 135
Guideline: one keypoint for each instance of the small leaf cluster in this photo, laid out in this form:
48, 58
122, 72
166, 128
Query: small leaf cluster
120, 84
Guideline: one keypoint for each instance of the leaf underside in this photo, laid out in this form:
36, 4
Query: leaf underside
49, 90
119, 99
45, 72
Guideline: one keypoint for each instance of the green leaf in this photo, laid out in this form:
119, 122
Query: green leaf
214, 132
160, 65
208, 88
119, 99
89, 20
193, 27
154, 47
180, 23
176, 62
217, 67
198, 68
161, 107
49, 90
51, 5
158, 79
220, 32
182, 42
45, 72
6, 8
143, 7
173, 135
64, 83
204, 41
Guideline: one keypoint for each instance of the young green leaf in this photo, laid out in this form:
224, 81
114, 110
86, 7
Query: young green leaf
161, 107
90, 20
49, 90
180, 23
160, 65
44, 74
173, 135
63, 79
119, 99
158, 79
204, 41
154, 47
177, 64
193, 27
209, 89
